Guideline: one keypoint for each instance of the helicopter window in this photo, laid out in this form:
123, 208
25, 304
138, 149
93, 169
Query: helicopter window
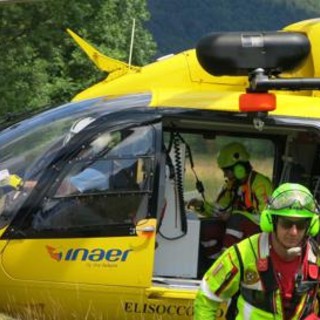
106, 175
106, 183
121, 144
84, 212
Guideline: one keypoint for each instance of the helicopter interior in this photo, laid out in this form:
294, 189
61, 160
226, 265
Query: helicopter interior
282, 150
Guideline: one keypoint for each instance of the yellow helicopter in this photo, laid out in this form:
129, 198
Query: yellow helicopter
94, 222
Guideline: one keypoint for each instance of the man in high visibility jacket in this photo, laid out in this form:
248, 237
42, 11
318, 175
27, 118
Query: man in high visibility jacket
239, 204
273, 274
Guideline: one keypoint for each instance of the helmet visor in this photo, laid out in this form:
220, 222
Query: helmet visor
296, 200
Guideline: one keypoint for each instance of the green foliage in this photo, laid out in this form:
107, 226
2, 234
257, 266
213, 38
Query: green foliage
41, 65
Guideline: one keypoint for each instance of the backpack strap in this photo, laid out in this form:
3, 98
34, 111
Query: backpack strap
262, 299
232, 309
236, 248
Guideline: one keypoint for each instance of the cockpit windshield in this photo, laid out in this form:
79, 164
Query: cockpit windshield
26, 148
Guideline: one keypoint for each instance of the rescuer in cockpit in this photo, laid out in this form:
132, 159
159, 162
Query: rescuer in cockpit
239, 203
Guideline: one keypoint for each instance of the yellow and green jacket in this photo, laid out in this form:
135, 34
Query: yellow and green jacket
250, 197
245, 271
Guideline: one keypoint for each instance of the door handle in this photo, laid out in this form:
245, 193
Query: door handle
146, 229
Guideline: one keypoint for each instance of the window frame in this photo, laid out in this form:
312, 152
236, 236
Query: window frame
20, 228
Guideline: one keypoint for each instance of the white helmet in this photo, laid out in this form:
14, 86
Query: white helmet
77, 127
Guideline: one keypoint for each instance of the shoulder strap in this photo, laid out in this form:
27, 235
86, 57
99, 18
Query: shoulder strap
252, 177
232, 308
239, 259
315, 247
253, 197
267, 276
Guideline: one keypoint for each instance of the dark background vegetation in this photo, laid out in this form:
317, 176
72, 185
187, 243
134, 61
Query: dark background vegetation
177, 24
40, 64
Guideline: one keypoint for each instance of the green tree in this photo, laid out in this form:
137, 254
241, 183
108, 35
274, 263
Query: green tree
41, 65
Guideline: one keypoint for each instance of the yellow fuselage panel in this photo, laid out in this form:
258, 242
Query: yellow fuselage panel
181, 72
179, 81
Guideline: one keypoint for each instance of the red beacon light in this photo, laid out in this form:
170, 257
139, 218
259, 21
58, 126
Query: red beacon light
257, 102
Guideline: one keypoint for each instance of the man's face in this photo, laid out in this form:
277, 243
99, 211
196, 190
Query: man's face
290, 231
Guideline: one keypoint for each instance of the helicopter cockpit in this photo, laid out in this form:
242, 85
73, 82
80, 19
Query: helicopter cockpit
30, 148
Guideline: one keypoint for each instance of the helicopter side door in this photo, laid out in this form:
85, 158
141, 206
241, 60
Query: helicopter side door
88, 244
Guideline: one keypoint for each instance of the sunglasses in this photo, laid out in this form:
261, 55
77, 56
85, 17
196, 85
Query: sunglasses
300, 224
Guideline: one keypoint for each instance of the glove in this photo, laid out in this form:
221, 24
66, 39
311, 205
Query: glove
196, 204
219, 212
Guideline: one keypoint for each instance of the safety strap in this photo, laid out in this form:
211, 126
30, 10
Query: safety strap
232, 308
313, 290
252, 196
262, 299
240, 260
267, 276
248, 213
